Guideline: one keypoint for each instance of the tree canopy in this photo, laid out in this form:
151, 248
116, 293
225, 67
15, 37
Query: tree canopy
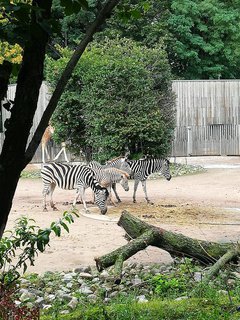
201, 36
118, 99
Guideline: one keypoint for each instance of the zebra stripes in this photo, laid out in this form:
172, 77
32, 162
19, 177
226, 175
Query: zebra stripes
142, 168
118, 163
69, 177
107, 176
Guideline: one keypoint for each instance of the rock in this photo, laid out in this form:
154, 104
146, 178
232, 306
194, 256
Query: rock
92, 297
85, 290
104, 274
26, 296
47, 306
181, 298
73, 303
67, 277
197, 276
85, 275
236, 274
142, 299
69, 285
82, 269
64, 312
136, 281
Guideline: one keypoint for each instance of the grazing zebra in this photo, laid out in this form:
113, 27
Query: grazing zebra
70, 177
119, 163
108, 176
142, 168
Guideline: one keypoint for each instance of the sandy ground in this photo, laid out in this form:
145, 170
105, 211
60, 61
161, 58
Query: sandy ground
204, 206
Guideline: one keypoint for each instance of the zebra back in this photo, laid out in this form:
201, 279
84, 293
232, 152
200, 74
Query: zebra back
67, 176
119, 163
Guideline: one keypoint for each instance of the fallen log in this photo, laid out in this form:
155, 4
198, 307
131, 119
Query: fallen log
144, 234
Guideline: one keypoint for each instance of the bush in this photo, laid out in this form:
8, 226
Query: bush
118, 99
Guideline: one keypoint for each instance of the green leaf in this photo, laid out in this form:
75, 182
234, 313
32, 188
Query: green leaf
73, 6
64, 226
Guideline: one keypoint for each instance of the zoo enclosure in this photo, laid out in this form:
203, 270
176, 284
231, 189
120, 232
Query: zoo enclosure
207, 118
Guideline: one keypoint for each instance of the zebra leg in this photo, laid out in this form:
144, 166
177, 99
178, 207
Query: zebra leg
144, 186
136, 182
44, 193
43, 154
51, 190
81, 192
110, 198
115, 191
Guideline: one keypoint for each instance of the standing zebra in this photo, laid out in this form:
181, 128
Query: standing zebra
142, 168
119, 163
70, 177
108, 176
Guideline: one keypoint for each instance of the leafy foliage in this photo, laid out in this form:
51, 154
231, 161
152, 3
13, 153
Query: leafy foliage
24, 244
201, 37
119, 98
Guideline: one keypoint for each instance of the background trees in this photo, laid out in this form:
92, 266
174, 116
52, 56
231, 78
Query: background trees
125, 101
201, 36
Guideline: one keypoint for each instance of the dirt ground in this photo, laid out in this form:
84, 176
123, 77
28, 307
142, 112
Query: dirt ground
204, 206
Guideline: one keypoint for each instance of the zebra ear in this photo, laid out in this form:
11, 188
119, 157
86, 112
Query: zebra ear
127, 154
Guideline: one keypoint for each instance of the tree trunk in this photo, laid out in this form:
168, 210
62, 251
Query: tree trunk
175, 243
14, 156
5, 73
25, 104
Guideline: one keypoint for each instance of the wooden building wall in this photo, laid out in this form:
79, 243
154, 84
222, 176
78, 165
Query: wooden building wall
42, 103
207, 119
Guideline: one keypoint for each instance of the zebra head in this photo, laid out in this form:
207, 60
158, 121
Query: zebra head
124, 166
165, 169
124, 181
101, 196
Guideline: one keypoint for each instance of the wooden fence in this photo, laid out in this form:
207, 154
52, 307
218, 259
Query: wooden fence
42, 104
207, 118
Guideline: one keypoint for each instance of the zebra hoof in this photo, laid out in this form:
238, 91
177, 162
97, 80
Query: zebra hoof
134, 201
151, 203
55, 209
45, 209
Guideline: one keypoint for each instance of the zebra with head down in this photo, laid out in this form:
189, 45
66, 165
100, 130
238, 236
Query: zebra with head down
78, 177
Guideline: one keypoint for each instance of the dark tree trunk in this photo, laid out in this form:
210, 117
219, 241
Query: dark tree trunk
5, 72
177, 244
22, 113
15, 153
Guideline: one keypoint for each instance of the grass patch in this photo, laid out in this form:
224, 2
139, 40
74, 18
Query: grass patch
189, 309
31, 174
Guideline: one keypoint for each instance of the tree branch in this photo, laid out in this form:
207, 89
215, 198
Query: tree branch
101, 17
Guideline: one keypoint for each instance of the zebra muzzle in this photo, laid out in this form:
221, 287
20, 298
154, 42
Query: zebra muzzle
104, 211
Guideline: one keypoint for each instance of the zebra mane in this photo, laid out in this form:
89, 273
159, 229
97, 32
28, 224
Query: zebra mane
114, 159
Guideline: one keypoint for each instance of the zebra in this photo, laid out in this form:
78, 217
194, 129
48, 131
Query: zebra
119, 163
67, 176
109, 176
142, 168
